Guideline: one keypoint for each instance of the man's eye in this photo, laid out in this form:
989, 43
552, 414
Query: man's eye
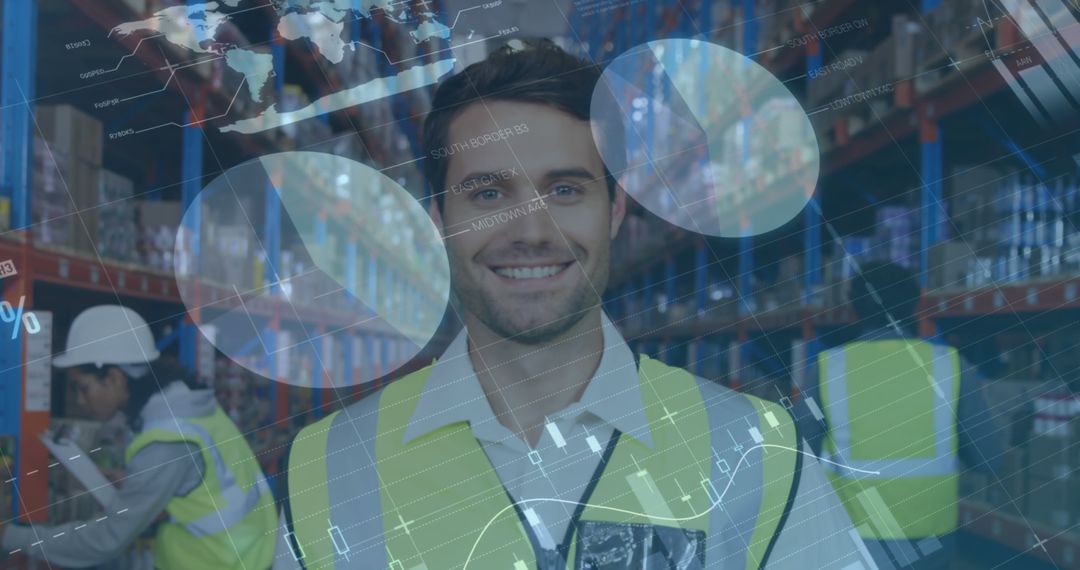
565, 190
488, 194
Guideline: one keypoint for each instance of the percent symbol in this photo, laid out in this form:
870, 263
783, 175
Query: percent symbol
15, 317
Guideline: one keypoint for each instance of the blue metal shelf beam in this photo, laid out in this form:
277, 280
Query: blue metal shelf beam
932, 211
16, 88
16, 137
191, 167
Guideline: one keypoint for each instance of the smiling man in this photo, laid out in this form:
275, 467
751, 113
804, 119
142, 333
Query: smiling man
538, 439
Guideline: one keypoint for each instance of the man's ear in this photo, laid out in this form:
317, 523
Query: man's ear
618, 210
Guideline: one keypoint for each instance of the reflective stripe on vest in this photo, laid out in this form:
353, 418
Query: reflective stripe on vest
443, 504
237, 502
891, 412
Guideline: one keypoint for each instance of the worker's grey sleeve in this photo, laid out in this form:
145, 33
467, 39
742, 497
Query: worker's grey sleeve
818, 532
981, 437
812, 429
284, 559
155, 474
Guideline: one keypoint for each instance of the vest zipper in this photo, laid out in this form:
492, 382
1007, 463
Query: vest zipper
551, 560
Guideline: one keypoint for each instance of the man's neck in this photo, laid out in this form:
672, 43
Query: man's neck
526, 383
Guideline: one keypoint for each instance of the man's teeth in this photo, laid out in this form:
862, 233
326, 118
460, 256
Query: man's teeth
529, 272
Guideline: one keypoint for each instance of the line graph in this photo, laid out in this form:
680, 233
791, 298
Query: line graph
192, 123
731, 480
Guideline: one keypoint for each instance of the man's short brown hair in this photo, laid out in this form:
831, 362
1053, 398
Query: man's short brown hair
536, 71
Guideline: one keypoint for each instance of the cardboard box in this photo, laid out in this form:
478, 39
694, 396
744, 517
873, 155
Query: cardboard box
51, 203
116, 230
1053, 502
158, 213
1007, 488
65, 198
72, 132
949, 264
1051, 456
904, 32
157, 224
84, 188
973, 203
974, 486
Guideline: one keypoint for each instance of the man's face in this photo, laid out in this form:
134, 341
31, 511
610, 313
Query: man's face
527, 219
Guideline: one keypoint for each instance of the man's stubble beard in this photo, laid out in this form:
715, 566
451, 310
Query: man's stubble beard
538, 329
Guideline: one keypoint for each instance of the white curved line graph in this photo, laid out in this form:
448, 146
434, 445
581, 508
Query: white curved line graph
731, 480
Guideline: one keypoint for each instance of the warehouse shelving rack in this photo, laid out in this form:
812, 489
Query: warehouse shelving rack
652, 269
78, 272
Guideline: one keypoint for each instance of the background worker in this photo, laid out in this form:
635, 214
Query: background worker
187, 459
902, 407
539, 439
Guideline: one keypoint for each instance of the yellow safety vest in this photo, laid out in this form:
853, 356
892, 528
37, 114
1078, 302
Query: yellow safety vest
229, 520
462, 517
891, 411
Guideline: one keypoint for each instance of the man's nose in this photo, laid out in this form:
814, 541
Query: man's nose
531, 223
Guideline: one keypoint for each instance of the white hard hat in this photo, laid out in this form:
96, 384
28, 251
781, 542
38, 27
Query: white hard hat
108, 334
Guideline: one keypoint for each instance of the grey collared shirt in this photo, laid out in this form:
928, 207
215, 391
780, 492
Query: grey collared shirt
562, 462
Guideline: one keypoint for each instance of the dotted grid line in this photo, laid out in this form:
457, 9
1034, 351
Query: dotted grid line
102, 518
51, 465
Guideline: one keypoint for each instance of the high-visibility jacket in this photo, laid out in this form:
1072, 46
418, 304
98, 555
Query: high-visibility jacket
891, 411
444, 507
229, 519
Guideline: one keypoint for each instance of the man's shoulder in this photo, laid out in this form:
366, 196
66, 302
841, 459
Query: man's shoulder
360, 416
724, 402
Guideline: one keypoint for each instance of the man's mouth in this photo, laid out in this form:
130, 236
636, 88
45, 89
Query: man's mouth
521, 272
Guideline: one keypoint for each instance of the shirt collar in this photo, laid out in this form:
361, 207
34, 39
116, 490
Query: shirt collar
881, 333
452, 394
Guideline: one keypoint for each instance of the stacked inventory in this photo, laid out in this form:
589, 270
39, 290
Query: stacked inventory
894, 240
1036, 476
1012, 228
78, 204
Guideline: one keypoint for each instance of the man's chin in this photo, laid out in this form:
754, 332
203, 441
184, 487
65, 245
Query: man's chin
539, 329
